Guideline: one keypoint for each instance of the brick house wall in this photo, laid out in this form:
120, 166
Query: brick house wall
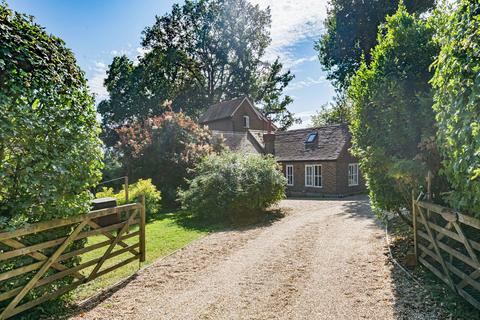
334, 177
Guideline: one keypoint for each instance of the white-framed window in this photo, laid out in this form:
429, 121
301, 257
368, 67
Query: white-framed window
313, 175
352, 174
246, 121
289, 174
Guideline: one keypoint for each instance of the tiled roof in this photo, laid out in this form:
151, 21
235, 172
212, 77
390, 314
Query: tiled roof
331, 139
238, 141
220, 110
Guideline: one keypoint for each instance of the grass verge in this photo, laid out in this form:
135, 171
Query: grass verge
165, 234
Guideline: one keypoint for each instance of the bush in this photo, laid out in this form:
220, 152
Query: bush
141, 187
457, 103
232, 185
165, 149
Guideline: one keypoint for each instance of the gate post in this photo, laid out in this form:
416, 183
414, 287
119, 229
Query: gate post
142, 229
414, 221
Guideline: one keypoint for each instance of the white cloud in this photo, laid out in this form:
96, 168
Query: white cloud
293, 21
95, 82
308, 82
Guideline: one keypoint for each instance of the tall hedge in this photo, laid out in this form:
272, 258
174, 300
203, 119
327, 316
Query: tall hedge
392, 110
50, 153
457, 103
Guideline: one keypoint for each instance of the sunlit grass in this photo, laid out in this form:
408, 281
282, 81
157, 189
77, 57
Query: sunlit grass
169, 232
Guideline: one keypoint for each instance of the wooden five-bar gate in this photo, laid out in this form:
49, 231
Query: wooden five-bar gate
46, 261
448, 244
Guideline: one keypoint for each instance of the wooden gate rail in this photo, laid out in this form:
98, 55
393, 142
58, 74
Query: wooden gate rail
50, 267
444, 245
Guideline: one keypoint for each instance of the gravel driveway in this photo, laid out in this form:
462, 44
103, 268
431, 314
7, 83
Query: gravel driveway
324, 260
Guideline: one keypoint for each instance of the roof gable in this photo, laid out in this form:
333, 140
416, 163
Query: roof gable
227, 109
329, 143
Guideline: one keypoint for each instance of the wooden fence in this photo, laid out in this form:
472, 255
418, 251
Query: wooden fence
448, 244
46, 262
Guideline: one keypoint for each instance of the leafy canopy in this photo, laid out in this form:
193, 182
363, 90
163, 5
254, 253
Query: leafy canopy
200, 53
457, 103
392, 110
351, 32
335, 112
232, 186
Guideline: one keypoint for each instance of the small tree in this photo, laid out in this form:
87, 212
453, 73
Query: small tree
339, 111
164, 148
457, 103
233, 185
392, 110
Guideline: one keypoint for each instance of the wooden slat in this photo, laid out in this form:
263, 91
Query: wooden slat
469, 221
469, 298
437, 250
142, 229
63, 274
37, 265
110, 248
38, 256
44, 268
446, 213
110, 236
46, 225
434, 270
118, 265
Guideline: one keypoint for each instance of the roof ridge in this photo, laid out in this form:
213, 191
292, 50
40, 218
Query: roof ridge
313, 128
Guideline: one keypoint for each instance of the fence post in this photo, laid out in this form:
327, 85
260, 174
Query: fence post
414, 221
142, 229
126, 189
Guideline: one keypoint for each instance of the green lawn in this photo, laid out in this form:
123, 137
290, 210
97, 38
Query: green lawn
167, 233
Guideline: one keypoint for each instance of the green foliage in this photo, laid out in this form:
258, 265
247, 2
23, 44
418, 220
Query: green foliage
457, 103
141, 187
50, 154
333, 113
231, 185
351, 31
392, 111
164, 148
200, 53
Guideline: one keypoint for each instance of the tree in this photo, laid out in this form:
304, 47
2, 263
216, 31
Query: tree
50, 154
335, 112
392, 110
351, 31
165, 149
200, 53
457, 103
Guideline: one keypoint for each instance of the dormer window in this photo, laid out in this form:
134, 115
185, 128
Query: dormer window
246, 122
311, 137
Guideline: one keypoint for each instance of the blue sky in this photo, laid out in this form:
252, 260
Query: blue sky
97, 30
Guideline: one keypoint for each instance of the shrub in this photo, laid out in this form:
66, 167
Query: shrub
141, 187
50, 154
165, 149
232, 185
392, 110
457, 103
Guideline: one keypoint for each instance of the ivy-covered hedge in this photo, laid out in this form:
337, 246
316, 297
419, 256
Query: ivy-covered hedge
232, 185
50, 153
457, 104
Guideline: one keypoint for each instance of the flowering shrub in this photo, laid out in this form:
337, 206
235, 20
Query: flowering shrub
232, 185
164, 148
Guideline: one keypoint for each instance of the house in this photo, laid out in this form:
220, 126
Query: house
316, 161
239, 124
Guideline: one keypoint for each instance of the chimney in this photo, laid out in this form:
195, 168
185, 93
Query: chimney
269, 141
